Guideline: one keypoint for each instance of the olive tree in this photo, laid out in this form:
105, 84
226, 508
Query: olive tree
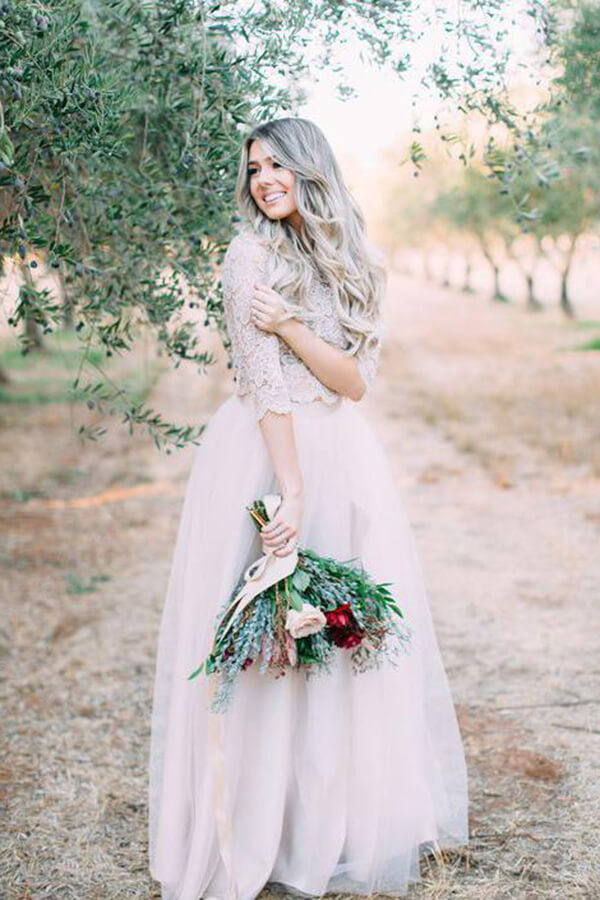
120, 123
550, 169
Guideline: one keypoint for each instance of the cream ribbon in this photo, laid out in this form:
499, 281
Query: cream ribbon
261, 574
216, 746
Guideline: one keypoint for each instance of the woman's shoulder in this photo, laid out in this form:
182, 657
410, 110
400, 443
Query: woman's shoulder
245, 246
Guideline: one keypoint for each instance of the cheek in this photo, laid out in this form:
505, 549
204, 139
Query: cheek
253, 188
290, 183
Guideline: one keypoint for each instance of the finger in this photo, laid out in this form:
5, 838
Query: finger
257, 310
276, 522
280, 547
278, 531
262, 305
261, 314
276, 543
260, 294
268, 528
289, 546
280, 538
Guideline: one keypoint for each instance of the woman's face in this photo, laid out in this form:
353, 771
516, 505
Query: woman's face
272, 185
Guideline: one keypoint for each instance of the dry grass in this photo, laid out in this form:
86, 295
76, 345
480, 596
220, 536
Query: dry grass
508, 408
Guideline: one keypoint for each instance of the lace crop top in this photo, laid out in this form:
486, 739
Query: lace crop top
263, 364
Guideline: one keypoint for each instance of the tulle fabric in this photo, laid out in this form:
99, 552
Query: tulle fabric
335, 782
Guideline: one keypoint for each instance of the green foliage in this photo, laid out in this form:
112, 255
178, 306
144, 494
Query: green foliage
544, 168
551, 167
579, 56
475, 205
77, 585
50, 377
593, 344
119, 148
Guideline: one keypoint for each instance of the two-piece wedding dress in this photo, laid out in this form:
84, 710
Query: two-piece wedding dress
337, 782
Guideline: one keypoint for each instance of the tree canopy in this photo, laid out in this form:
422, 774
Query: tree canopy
120, 124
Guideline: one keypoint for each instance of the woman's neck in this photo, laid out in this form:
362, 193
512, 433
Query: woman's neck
295, 221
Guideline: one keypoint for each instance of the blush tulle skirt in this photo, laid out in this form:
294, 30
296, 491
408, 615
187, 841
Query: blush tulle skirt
332, 783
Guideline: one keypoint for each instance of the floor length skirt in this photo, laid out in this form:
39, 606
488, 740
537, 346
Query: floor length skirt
335, 782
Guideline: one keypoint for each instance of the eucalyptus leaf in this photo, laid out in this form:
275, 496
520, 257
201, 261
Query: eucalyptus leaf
300, 580
196, 671
296, 600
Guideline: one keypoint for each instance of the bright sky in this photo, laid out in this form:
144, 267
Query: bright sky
358, 128
382, 114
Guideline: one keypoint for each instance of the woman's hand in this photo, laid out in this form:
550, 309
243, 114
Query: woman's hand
281, 534
268, 309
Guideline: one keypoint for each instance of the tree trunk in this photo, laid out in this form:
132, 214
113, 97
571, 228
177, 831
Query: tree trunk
427, 268
565, 301
446, 273
33, 334
533, 304
32, 329
68, 315
466, 286
497, 295
68, 307
4, 379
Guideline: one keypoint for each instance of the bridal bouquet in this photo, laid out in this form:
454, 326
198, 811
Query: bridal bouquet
294, 610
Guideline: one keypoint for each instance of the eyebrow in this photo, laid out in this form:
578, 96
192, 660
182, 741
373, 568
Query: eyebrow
255, 162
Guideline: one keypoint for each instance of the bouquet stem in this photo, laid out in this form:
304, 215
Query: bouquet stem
258, 518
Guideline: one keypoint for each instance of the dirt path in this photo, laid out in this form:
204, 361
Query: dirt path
493, 434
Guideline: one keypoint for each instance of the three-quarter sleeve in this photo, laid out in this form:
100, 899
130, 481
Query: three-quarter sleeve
254, 353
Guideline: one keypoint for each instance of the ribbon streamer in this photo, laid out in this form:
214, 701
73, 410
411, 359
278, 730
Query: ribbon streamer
216, 741
261, 574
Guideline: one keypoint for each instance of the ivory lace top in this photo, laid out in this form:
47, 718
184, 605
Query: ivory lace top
264, 365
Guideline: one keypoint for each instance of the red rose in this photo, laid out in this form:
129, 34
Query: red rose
342, 627
352, 639
247, 662
345, 639
341, 617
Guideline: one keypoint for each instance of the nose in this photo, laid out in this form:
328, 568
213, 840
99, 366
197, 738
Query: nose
265, 176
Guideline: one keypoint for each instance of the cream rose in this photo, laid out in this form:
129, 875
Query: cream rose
306, 621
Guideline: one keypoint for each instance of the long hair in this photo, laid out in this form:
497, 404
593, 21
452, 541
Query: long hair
331, 243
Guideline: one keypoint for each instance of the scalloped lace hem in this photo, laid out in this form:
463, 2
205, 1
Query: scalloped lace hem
332, 400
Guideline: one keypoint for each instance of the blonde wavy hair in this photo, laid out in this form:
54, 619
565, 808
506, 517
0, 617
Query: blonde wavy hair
331, 243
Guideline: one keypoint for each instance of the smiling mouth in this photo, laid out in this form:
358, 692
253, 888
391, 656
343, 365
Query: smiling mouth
273, 198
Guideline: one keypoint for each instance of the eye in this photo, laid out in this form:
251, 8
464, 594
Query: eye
252, 172
277, 165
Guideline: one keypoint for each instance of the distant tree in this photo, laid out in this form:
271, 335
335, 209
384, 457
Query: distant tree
475, 207
551, 168
526, 252
570, 208
572, 130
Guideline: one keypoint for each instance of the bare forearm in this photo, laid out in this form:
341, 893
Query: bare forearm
278, 432
335, 369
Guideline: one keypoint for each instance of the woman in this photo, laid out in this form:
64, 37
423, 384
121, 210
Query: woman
336, 783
